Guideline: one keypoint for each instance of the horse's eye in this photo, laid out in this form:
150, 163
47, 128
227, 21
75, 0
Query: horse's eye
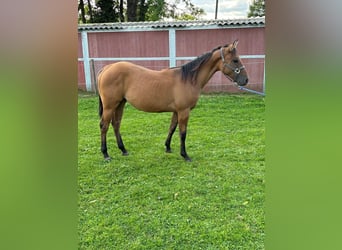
235, 61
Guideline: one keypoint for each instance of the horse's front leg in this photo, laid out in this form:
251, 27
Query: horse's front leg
183, 118
173, 126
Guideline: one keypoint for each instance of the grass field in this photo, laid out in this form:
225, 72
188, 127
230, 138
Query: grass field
154, 200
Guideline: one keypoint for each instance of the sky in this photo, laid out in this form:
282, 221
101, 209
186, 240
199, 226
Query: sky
227, 9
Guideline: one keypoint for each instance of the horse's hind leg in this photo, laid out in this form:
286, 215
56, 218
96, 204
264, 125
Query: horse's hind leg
104, 124
173, 126
116, 122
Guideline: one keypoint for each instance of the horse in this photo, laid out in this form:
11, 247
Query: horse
175, 90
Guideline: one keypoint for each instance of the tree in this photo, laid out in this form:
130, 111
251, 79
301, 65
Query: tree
161, 9
121, 11
257, 8
90, 11
100, 11
85, 11
132, 9
106, 11
191, 12
81, 8
143, 7
156, 10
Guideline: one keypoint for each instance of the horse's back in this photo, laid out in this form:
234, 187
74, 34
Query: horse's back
117, 72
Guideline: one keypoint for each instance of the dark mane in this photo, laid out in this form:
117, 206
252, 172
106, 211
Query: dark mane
190, 70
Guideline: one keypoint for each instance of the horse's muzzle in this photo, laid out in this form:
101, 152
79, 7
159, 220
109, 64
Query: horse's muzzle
241, 80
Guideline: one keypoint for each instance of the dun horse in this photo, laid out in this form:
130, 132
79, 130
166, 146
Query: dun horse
170, 90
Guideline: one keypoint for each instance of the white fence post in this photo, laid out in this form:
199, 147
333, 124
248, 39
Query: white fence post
172, 48
86, 64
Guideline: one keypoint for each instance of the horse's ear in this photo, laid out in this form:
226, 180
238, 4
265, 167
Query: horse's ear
235, 43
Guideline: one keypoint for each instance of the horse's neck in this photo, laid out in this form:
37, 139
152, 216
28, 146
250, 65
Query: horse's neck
208, 69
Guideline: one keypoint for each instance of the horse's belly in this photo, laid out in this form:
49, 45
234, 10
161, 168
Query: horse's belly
150, 103
149, 107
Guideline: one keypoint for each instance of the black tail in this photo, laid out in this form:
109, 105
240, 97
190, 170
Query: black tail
100, 107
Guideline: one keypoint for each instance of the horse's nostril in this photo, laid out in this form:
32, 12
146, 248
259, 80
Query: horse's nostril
246, 80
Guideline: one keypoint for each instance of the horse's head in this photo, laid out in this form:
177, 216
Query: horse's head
232, 66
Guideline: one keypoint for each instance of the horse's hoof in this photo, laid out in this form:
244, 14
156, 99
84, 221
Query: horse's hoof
168, 150
187, 158
107, 158
124, 153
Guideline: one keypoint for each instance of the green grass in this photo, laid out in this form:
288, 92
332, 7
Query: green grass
154, 200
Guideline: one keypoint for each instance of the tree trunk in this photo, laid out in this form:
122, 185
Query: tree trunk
142, 10
121, 11
81, 7
90, 12
132, 10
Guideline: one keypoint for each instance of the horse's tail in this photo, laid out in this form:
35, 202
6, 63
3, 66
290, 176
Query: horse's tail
100, 107
100, 101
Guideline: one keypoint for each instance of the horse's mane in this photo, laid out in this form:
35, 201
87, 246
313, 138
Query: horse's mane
190, 70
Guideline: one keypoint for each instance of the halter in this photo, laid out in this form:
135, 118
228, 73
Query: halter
236, 70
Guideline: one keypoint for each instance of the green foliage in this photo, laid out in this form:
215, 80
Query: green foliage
191, 12
156, 10
155, 200
185, 16
106, 11
137, 10
257, 8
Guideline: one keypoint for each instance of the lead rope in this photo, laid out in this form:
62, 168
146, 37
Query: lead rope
251, 90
